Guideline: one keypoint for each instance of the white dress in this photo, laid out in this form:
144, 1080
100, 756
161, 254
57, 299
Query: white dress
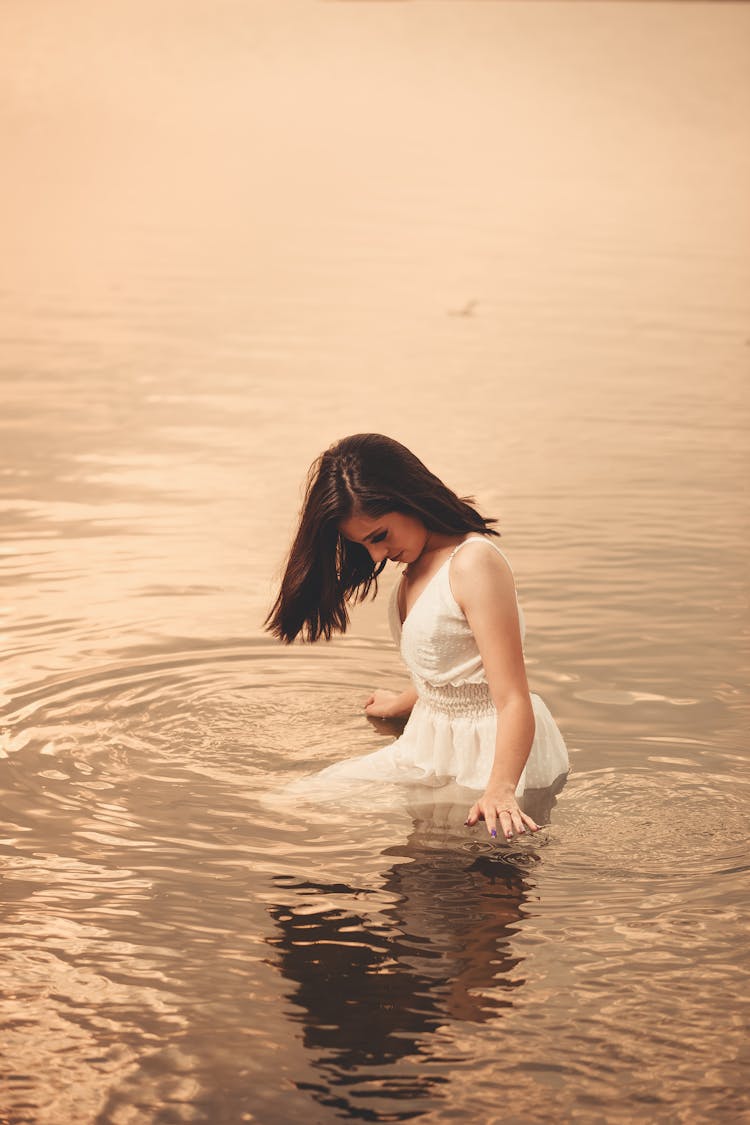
450, 735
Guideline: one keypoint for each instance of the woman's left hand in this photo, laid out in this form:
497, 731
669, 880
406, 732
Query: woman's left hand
499, 809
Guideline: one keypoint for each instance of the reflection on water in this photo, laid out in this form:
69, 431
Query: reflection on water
512, 236
371, 989
377, 973
371, 993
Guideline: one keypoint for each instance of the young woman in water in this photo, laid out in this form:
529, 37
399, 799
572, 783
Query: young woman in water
455, 614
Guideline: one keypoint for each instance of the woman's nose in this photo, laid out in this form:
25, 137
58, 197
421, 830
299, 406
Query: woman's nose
377, 552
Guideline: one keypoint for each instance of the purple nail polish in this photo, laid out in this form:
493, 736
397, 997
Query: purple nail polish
493, 833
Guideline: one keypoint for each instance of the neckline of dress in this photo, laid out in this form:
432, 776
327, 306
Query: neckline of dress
429, 582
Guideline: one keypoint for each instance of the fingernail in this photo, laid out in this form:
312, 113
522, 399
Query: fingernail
508, 835
493, 833
521, 829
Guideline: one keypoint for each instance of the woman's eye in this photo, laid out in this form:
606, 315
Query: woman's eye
379, 537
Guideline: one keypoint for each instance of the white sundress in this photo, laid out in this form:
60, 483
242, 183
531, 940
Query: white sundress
450, 734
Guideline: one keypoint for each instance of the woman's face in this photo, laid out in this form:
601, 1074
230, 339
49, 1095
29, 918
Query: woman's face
394, 536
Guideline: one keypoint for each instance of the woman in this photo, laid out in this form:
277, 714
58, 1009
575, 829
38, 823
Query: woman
455, 613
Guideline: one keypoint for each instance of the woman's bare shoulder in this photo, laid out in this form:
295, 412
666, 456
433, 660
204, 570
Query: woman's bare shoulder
480, 566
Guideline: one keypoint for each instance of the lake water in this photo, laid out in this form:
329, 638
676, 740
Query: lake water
513, 236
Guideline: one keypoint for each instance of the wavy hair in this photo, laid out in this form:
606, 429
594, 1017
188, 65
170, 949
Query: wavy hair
366, 474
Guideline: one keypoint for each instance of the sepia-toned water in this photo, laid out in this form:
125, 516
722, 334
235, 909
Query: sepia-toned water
515, 237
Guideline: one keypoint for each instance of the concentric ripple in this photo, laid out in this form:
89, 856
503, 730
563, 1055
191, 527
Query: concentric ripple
148, 830
653, 823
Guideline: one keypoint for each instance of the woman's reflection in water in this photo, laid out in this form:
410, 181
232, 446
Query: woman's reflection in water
377, 971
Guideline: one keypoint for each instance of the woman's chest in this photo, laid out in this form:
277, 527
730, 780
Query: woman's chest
436, 637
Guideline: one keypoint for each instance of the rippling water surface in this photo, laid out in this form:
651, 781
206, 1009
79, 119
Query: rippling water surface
514, 237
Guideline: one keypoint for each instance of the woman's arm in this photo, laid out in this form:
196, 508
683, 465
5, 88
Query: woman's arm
484, 589
384, 704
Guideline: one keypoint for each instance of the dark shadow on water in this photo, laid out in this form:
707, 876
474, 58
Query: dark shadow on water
377, 972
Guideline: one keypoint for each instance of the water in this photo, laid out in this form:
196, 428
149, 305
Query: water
513, 237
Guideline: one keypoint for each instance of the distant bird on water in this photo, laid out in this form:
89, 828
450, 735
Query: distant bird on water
467, 310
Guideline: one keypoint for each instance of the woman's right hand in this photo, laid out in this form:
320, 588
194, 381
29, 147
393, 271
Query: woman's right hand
384, 704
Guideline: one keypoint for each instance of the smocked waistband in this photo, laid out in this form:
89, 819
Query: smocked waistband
457, 700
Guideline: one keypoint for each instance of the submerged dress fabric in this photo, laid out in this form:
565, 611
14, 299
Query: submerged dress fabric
450, 734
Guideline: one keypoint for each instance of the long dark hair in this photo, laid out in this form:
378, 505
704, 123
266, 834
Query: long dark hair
366, 474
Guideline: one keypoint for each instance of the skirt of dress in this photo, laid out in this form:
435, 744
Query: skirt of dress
436, 749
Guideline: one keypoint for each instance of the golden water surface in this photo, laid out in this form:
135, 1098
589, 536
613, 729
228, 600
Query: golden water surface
513, 236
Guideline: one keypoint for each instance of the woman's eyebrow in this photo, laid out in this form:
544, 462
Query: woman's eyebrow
372, 534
